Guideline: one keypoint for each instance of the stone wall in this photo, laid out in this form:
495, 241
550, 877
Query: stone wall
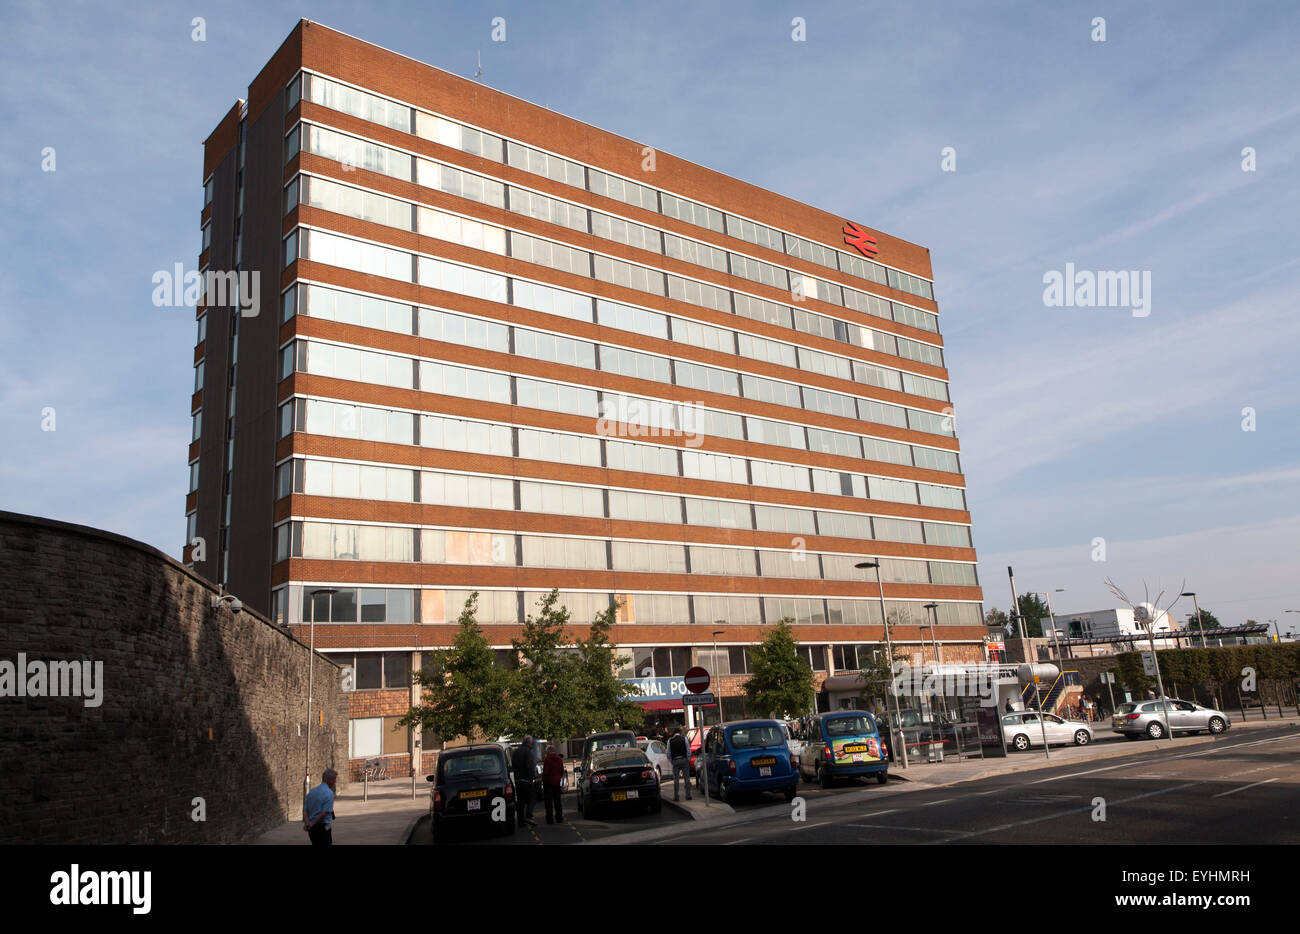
197, 703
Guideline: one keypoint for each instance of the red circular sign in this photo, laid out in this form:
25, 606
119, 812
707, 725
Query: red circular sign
697, 680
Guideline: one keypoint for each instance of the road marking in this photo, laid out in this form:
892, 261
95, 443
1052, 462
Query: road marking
1078, 810
878, 813
1244, 787
940, 801
741, 840
897, 827
1188, 755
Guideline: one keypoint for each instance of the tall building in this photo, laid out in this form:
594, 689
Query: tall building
499, 350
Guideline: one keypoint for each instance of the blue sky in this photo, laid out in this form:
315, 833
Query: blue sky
1075, 423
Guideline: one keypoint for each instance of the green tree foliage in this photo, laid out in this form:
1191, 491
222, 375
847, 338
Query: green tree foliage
781, 680
1208, 620
464, 691
1037, 618
995, 618
602, 697
545, 690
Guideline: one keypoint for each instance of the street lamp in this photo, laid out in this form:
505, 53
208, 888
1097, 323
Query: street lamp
934, 640
311, 671
716, 633
1199, 624
889, 647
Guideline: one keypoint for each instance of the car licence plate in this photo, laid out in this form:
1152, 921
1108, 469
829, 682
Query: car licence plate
622, 795
474, 804
857, 748
765, 771
477, 793
765, 760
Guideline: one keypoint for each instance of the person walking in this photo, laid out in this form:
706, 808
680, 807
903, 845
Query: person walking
553, 784
680, 755
524, 764
1009, 708
318, 810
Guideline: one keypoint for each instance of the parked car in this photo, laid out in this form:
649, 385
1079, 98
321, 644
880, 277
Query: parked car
611, 739
618, 777
468, 783
657, 753
1147, 718
844, 744
748, 755
1022, 730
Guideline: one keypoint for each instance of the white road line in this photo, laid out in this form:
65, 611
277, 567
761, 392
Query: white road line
940, 801
1076, 810
1243, 788
897, 827
1189, 755
734, 842
878, 813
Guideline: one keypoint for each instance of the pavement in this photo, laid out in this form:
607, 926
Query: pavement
385, 819
390, 814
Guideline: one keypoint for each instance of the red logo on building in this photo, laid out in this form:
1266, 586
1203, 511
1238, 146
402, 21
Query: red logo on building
858, 238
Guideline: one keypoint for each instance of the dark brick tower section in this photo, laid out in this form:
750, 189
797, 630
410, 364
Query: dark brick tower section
196, 702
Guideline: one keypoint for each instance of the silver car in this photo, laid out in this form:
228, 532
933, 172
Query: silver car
1023, 729
1147, 718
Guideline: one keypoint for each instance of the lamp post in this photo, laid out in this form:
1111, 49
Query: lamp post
1199, 624
889, 647
934, 640
311, 683
716, 633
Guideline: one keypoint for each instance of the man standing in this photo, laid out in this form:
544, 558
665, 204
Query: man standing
318, 810
680, 756
525, 769
552, 784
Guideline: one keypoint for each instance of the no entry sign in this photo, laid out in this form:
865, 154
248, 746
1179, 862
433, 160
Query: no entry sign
697, 680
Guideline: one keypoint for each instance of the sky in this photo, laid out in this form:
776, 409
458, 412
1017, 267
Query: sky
1157, 449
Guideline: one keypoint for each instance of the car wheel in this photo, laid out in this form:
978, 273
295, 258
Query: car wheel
791, 792
1217, 725
657, 807
437, 834
1021, 742
1156, 730
722, 792
823, 776
1082, 737
659, 775
580, 804
882, 778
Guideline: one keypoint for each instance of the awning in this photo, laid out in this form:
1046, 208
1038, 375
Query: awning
661, 704
836, 683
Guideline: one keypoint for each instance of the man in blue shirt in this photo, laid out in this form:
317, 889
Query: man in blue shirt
318, 810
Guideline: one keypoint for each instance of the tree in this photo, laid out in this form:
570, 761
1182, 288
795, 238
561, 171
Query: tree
1208, 620
877, 676
995, 619
465, 692
602, 697
781, 681
1034, 611
545, 687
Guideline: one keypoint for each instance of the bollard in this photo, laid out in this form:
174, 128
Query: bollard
365, 785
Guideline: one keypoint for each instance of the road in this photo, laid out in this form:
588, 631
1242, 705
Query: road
1242, 790
574, 829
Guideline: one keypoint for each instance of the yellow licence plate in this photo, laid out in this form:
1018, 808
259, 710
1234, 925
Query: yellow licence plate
622, 795
478, 793
765, 760
858, 749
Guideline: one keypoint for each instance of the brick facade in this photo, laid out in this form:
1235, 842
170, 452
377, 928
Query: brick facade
197, 702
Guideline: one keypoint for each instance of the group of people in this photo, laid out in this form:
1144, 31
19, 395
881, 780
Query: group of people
524, 763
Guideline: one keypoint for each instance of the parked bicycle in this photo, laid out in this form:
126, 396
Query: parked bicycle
375, 770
